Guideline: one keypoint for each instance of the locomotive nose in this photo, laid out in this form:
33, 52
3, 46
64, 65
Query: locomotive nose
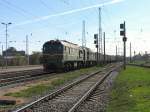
53, 61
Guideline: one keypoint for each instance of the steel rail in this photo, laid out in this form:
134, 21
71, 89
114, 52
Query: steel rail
24, 79
30, 107
88, 93
31, 74
16, 73
53, 94
17, 79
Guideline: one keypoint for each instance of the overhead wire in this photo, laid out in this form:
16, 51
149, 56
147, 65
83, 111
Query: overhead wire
12, 9
65, 2
114, 40
82, 17
45, 5
20, 9
57, 27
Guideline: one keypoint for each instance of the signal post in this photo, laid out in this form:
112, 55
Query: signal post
123, 33
96, 45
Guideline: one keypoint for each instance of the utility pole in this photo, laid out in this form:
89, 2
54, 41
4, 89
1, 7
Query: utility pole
104, 49
2, 50
134, 55
117, 45
2, 54
123, 33
124, 41
27, 49
83, 35
6, 25
130, 53
116, 53
2, 57
100, 35
1, 47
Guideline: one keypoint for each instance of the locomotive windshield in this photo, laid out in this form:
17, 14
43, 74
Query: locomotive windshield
52, 48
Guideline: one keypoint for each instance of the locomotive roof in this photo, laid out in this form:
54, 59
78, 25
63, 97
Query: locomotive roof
65, 43
88, 49
69, 44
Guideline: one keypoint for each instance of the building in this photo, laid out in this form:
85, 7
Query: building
12, 52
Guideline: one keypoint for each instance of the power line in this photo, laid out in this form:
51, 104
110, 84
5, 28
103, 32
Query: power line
65, 2
45, 5
20, 9
13, 9
49, 8
83, 35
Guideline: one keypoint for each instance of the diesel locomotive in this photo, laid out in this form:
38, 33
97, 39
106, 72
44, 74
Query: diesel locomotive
64, 55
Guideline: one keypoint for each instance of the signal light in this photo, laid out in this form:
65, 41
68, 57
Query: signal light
96, 46
96, 40
122, 33
122, 27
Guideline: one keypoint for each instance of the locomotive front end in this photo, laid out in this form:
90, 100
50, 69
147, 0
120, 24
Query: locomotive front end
52, 55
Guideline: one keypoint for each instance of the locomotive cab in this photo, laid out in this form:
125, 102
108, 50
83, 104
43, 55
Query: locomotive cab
52, 55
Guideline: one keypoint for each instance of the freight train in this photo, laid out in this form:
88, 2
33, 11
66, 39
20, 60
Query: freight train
64, 55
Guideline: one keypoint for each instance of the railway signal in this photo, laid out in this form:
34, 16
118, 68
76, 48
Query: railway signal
96, 44
96, 40
123, 33
122, 27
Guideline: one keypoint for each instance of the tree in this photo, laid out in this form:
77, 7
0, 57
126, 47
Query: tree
35, 58
146, 57
11, 49
19, 60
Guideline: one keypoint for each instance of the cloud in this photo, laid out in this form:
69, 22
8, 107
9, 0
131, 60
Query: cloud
68, 12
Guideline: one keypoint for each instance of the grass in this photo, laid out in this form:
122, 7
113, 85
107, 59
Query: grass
131, 91
141, 62
40, 88
138, 62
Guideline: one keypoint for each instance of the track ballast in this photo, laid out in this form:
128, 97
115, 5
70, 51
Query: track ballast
9, 78
68, 98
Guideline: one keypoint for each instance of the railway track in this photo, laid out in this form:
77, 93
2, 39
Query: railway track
9, 78
97, 98
17, 73
69, 98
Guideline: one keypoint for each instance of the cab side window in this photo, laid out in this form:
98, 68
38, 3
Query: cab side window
69, 50
65, 48
88, 55
80, 54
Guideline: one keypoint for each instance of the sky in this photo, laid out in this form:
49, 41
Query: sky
44, 20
